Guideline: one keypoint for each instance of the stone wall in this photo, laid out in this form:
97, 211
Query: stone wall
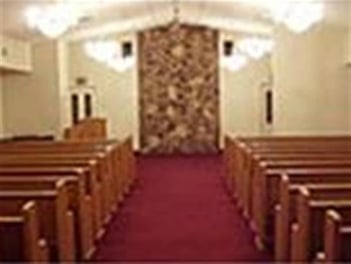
179, 89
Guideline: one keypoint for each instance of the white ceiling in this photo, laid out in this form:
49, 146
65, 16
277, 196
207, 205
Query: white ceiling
110, 16
121, 15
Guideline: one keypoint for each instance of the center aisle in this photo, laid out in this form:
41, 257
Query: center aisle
179, 211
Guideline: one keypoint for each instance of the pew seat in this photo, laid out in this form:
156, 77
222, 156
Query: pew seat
265, 187
309, 226
78, 169
21, 223
79, 203
337, 237
285, 210
57, 227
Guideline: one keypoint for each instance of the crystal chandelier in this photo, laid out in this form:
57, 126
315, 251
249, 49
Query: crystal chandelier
255, 47
234, 62
247, 48
109, 53
52, 20
297, 16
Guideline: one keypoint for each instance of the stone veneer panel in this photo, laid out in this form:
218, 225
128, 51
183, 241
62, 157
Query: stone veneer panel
179, 89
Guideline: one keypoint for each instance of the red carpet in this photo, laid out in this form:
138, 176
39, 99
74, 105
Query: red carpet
179, 211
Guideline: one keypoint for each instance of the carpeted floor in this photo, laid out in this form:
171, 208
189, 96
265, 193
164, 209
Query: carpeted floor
179, 211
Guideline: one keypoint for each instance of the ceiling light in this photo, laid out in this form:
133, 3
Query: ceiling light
298, 16
52, 20
234, 62
109, 53
303, 15
255, 47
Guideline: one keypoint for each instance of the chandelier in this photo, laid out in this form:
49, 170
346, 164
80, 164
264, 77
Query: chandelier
52, 20
109, 53
297, 16
245, 49
234, 62
255, 47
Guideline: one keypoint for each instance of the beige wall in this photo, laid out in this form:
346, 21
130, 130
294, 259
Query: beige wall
242, 95
349, 64
1, 105
349, 31
312, 93
31, 100
312, 85
116, 92
311, 80
349, 102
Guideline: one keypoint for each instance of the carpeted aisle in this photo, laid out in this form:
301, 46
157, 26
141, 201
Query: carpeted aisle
179, 211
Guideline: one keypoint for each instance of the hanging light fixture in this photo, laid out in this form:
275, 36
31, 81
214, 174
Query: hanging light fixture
247, 48
235, 61
303, 15
52, 20
255, 47
109, 53
297, 16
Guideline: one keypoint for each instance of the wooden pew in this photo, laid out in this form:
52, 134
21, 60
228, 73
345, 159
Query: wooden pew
112, 149
285, 209
247, 182
242, 158
75, 167
265, 185
44, 151
248, 162
231, 163
245, 154
100, 173
57, 226
284, 138
79, 203
20, 239
127, 164
288, 144
53, 160
311, 207
125, 160
88, 211
337, 237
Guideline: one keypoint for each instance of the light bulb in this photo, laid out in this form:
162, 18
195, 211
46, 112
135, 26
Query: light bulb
234, 62
298, 16
255, 47
108, 53
52, 20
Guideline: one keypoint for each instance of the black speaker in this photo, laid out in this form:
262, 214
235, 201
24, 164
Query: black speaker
228, 46
127, 49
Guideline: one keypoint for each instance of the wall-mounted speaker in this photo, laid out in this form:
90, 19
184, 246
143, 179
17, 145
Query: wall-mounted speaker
228, 46
127, 49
